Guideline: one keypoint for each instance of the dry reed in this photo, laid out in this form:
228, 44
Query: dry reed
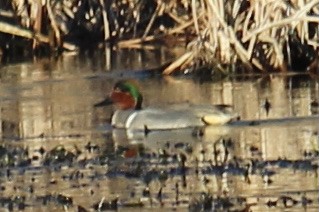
254, 33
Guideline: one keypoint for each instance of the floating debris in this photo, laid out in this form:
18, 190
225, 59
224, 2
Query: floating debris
106, 205
58, 156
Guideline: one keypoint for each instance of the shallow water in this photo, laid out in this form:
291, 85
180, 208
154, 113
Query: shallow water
57, 152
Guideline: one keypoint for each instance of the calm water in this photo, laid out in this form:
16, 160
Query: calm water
58, 153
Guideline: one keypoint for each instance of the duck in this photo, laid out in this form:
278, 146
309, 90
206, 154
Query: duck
129, 113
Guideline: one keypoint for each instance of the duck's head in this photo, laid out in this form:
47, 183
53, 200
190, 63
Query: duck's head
125, 95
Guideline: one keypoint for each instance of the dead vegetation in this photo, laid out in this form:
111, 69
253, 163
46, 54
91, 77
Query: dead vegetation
251, 34
258, 34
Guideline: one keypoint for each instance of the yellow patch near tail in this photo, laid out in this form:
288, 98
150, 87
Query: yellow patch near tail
216, 119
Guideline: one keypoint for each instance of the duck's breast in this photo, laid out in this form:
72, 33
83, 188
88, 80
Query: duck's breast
120, 118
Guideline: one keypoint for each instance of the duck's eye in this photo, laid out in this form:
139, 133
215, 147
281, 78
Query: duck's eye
116, 89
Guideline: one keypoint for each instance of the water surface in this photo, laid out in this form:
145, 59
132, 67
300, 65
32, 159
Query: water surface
56, 147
